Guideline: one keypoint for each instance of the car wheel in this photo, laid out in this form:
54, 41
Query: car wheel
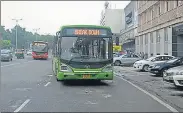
178, 87
163, 72
117, 63
145, 68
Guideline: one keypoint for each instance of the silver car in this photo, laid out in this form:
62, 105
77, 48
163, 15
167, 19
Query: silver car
175, 76
6, 55
126, 59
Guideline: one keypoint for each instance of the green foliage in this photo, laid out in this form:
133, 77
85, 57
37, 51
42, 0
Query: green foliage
24, 37
6, 43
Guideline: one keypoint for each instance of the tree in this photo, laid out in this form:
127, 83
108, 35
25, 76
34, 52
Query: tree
24, 37
5, 44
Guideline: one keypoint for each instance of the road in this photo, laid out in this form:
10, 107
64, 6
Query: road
28, 86
153, 84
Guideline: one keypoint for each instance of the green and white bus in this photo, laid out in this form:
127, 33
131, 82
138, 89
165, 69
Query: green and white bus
83, 52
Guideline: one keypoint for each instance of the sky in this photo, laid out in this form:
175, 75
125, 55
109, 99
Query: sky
49, 16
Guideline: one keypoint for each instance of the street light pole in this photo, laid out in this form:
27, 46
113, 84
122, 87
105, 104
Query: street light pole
16, 30
36, 32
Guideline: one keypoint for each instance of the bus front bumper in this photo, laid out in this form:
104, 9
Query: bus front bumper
40, 56
85, 76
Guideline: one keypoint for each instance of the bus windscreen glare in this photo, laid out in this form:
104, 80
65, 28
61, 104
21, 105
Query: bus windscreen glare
39, 50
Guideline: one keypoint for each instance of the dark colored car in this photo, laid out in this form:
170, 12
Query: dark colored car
160, 68
6, 55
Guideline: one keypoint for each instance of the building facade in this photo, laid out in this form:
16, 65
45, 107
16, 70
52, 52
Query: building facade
160, 27
113, 18
129, 33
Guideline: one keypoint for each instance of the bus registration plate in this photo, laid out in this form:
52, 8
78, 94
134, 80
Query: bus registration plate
86, 76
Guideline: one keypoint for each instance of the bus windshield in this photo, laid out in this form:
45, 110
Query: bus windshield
85, 49
40, 47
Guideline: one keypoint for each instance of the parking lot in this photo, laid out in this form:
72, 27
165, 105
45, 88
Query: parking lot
153, 84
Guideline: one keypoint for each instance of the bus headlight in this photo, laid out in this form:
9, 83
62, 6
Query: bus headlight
108, 68
65, 68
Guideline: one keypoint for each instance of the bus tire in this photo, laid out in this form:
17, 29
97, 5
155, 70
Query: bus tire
98, 81
58, 79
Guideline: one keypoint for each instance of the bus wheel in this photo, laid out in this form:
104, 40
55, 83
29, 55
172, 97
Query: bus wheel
97, 81
58, 79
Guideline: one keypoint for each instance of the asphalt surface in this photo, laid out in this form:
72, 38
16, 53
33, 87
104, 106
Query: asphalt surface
28, 85
155, 85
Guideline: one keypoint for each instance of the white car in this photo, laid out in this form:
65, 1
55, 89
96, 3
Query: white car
175, 76
143, 65
29, 52
126, 59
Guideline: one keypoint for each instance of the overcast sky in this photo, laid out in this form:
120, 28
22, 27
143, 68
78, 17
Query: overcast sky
50, 15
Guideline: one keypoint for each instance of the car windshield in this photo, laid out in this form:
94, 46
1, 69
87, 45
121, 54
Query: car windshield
172, 60
149, 59
85, 49
4, 52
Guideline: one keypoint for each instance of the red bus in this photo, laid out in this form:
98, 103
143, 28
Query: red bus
39, 50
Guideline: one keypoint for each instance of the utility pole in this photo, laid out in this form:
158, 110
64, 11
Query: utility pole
16, 30
36, 32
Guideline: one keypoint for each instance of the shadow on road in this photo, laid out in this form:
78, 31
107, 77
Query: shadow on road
84, 83
5, 61
174, 88
42, 59
177, 94
158, 76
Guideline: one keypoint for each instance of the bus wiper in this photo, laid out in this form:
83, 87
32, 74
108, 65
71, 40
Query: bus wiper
72, 59
82, 57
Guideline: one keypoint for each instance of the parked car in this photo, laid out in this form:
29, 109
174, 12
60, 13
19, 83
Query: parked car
126, 59
143, 65
29, 52
160, 68
175, 76
6, 55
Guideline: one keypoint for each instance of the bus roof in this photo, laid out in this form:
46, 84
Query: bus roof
84, 26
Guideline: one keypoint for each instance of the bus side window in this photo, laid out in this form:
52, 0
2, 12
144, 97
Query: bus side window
59, 47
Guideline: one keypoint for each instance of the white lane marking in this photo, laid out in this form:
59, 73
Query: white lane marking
47, 84
22, 89
50, 75
89, 102
10, 65
23, 105
152, 96
106, 95
15, 64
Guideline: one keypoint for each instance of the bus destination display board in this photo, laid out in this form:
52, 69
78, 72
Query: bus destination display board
85, 32
38, 44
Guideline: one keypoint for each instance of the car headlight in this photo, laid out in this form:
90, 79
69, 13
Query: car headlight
157, 66
179, 73
108, 68
65, 68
